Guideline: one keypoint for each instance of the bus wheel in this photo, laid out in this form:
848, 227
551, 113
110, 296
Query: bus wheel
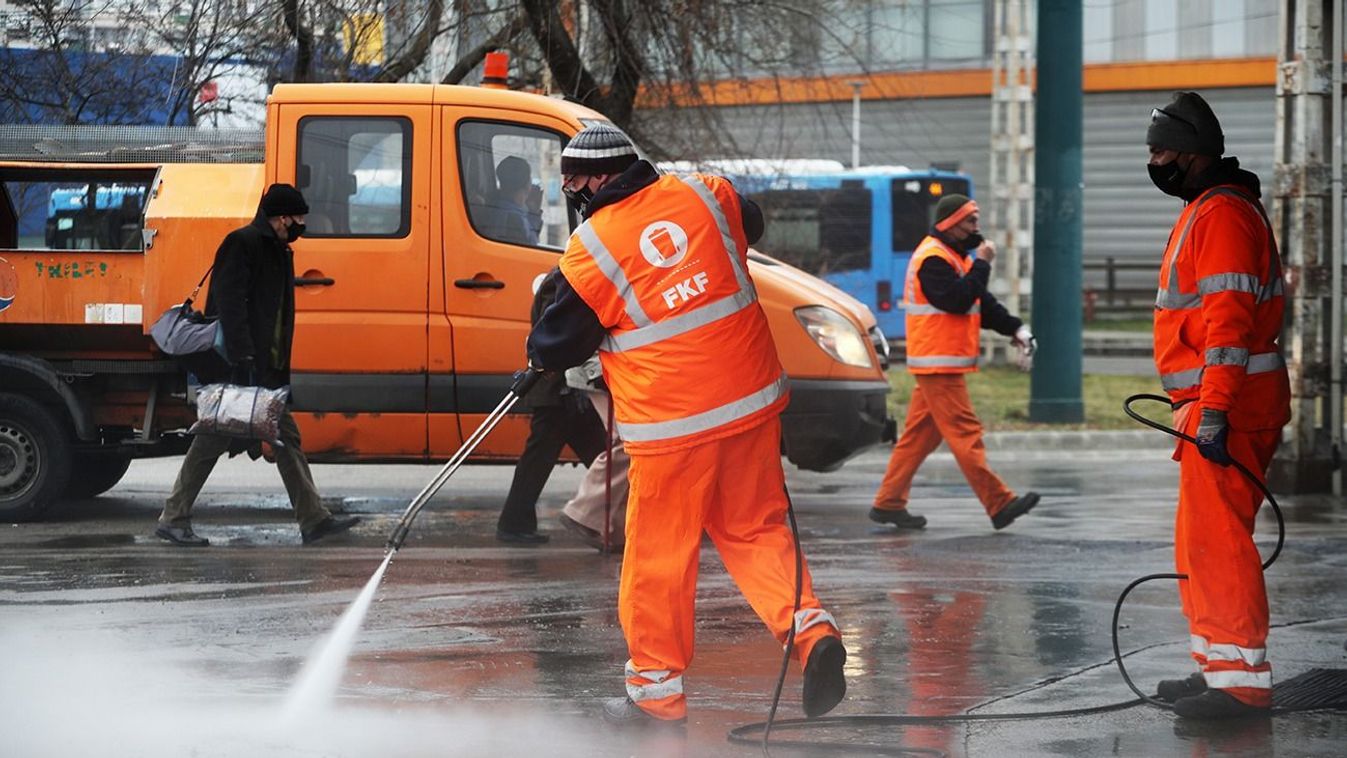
34, 458
98, 473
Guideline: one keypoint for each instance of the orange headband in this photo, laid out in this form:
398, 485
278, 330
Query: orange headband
965, 210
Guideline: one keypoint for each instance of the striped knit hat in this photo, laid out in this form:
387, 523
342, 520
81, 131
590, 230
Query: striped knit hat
597, 150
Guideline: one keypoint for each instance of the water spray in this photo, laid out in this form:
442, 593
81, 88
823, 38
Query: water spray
321, 673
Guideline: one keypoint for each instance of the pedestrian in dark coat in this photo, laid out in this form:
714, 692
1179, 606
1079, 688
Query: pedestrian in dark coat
252, 290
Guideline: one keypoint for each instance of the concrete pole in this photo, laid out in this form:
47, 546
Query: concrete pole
1055, 386
1335, 353
1302, 218
856, 123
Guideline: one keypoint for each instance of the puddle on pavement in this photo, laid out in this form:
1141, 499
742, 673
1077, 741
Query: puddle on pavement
82, 541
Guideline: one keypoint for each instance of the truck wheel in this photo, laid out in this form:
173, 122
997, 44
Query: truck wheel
98, 473
35, 458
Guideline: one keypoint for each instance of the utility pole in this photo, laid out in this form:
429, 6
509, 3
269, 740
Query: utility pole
1055, 386
1306, 217
1011, 208
856, 123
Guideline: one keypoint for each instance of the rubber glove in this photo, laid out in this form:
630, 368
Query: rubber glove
1024, 340
1212, 431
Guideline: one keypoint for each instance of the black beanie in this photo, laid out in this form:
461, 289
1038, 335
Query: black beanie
283, 200
1188, 125
597, 150
953, 205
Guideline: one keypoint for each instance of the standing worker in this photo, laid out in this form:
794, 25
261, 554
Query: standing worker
252, 289
657, 279
1218, 315
947, 304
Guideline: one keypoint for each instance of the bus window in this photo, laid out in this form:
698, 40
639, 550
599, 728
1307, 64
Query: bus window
818, 230
914, 207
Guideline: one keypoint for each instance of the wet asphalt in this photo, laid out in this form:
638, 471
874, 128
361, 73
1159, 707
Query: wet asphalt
114, 643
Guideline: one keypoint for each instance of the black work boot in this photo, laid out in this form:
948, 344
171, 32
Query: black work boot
1014, 509
901, 518
623, 712
1172, 690
824, 683
180, 535
328, 527
1217, 704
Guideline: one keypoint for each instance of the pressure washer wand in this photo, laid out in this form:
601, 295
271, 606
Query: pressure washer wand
524, 380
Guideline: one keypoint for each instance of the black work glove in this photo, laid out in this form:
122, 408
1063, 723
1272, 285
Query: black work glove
1212, 431
243, 373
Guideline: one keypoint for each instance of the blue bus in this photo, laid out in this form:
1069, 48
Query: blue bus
855, 228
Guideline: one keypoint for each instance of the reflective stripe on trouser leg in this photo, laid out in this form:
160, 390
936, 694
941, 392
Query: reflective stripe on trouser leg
659, 692
747, 523
1225, 598
666, 506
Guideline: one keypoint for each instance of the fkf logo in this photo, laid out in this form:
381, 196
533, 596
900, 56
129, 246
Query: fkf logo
685, 290
664, 244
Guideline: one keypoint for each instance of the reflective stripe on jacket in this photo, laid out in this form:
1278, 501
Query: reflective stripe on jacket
688, 357
939, 342
1218, 311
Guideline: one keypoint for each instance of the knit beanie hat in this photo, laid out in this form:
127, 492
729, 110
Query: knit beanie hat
283, 200
597, 150
952, 209
1188, 125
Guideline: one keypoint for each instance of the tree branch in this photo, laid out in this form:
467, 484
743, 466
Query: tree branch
470, 60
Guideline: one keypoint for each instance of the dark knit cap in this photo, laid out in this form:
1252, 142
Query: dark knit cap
283, 200
948, 205
1188, 125
597, 150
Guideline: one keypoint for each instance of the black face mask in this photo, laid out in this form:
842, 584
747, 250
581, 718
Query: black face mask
1167, 177
581, 197
971, 242
294, 231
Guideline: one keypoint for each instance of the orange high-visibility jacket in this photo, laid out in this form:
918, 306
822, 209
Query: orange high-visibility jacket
939, 342
688, 356
1218, 311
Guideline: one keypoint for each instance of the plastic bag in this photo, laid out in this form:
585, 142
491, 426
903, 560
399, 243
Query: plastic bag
230, 410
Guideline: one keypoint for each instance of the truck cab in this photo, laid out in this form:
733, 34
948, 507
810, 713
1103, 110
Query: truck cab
433, 209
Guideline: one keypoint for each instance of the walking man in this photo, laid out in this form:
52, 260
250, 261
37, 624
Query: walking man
1218, 315
252, 290
947, 305
656, 278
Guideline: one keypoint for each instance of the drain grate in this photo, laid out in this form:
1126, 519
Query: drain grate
1316, 689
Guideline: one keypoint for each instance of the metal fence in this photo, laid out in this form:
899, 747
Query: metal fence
130, 144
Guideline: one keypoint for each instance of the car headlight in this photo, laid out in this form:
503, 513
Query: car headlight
835, 334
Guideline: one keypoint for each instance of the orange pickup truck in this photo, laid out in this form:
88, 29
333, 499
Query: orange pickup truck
412, 297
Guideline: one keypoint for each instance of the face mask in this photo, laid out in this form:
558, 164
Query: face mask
971, 242
1167, 177
581, 196
294, 231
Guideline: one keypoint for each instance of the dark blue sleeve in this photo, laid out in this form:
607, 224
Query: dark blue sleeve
567, 334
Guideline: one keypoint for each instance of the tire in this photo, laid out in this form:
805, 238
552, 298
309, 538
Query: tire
98, 473
35, 458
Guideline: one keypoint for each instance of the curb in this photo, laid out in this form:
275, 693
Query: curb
1139, 439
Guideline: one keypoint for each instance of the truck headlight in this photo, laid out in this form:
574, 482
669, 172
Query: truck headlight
835, 334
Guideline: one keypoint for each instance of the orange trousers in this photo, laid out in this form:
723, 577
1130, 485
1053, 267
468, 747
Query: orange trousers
734, 490
940, 409
1224, 598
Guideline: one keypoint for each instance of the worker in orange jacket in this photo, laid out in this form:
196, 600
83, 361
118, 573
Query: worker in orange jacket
656, 279
1218, 315
947, 305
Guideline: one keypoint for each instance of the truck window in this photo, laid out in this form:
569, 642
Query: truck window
73, 209
356, 174
914, 203
512, 183
821, 231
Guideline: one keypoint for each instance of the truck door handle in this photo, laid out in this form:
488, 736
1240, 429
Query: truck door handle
308, 281
479, 284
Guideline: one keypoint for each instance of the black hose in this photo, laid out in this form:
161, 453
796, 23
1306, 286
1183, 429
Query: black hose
746, 734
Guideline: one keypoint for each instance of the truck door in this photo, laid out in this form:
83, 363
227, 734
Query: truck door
505, 224
359, 366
